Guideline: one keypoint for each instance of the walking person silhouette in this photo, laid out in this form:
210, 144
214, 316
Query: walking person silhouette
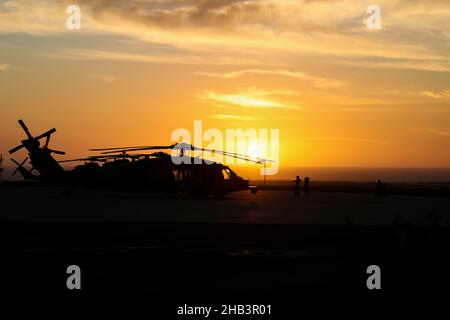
297, 186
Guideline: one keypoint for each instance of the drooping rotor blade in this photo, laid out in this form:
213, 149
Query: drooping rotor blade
251, 159
24, 127
56, 151
19, 165
186, 146
23, 162
45, 134
15, 149
15, 162
235, 155
47, 141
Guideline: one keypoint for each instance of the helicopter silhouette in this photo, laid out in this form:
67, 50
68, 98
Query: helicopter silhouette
125, 169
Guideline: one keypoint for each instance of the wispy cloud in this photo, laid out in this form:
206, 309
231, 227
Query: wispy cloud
434, 131
104, 77
231, 117
241, 73
250, 98
420, 64
243, 100
317, 81
436, 94
413, 29
253, 91
3, 67
186, 58
347, 139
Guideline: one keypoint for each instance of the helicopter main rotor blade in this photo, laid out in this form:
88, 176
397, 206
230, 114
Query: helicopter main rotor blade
48, 133
47, 141
19, 165
78, 160
24, 127
23, 162
252, 159
56, 151
15, 149
92, 158
140, 149
235, 155
118, 148
186, 146
15, 162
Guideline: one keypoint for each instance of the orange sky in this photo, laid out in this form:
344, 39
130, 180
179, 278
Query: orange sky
340, 94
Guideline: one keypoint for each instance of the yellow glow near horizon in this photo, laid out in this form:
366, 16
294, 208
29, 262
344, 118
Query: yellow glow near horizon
340, 95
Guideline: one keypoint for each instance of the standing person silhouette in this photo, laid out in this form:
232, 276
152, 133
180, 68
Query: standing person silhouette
306, 182
297, 186
380, 189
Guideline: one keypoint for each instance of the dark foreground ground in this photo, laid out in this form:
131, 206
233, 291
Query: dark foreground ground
269, 248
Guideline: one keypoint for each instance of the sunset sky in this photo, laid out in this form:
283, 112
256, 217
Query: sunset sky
341, 95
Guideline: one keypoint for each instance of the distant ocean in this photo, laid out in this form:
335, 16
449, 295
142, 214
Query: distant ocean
334, 174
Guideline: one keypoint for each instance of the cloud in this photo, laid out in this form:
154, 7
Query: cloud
434, 65
346, 139
318, 82
230, 117
240, 73
166, 58
364, 109
434, 131
250, 98
274, 92
104, 77
243, 100
3, 67
270, 29
436, 95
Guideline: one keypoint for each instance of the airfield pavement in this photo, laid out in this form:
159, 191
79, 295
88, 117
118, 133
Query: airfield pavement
268, 247
265, 207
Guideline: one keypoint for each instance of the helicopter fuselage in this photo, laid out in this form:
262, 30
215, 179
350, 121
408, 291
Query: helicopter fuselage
156, 172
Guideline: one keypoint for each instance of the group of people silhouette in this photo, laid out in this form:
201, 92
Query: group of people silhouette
298, 182
380, 191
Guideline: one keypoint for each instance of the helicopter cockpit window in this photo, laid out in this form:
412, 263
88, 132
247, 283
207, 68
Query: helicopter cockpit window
226, 174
